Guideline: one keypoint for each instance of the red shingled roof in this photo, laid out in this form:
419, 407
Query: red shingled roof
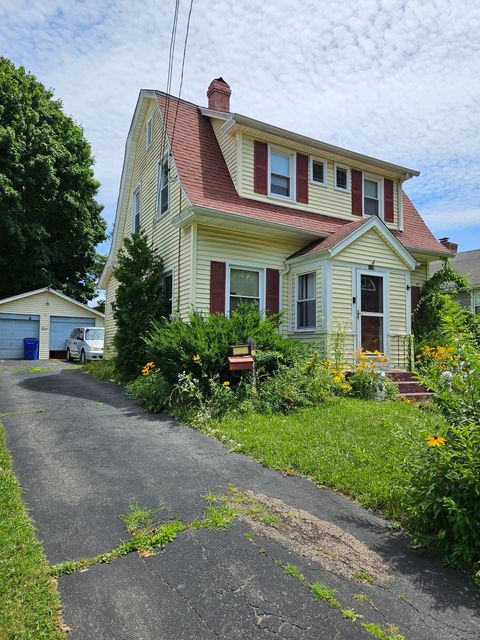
207, 183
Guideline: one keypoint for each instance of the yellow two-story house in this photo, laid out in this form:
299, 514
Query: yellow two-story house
243, 210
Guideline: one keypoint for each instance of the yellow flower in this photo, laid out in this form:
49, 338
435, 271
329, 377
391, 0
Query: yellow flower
433, 441
345, 386
226, 383
196, 358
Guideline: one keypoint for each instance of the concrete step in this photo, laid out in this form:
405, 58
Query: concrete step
416, 397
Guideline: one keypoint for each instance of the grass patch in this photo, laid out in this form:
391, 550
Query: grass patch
138, 518
29, 602
294, 571
38, 369
348, 444
102, 369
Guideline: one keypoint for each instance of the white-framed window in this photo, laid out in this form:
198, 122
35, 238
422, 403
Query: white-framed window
372, 196
162, 186
318, 171
342, 177
306, 311
245, 286
136, 210
281, 177
149, 132
167, 285
476, 302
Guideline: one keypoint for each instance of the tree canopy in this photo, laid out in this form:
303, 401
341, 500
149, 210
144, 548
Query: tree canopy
50, 221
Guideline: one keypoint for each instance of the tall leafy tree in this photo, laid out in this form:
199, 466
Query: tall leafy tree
50, 220
140, 298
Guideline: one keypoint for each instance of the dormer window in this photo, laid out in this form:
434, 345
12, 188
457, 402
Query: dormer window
281, 173
342, 178
318, 171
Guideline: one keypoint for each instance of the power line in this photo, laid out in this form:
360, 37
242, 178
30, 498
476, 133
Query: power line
171, 56
181, 75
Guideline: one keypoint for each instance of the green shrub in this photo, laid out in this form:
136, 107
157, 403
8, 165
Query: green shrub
201, 345
442, 499
140, 298
151, 391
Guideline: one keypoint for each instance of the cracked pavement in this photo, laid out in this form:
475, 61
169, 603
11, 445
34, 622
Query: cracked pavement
84, 452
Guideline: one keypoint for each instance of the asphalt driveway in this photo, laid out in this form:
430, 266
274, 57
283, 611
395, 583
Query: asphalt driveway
84, 452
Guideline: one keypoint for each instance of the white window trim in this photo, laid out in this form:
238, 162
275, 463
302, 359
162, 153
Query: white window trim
325, 171
293, 172
379, 181
160, 163
247, 266
349, 178
134, 192
148, 124
297, 289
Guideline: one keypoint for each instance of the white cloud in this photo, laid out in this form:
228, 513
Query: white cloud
396, 79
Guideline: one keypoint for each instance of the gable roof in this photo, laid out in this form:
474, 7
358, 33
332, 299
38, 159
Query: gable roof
467, 263
54, 292
350, 233
206, 180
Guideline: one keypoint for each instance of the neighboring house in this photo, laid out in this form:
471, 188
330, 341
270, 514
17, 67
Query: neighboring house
243, 210
468, 264
45, 314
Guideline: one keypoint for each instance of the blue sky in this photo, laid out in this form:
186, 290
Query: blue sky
396, 79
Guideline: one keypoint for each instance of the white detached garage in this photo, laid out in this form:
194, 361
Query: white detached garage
45, 314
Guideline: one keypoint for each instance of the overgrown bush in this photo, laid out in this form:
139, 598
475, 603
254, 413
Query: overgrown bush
368, 379
202, 345
452, 372
442, 499
150, 390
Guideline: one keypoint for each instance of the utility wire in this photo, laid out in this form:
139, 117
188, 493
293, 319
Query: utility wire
181, 75
171, 56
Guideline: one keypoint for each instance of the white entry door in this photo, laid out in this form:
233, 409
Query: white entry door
371, 311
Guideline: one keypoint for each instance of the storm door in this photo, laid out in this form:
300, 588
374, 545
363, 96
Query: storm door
371, 313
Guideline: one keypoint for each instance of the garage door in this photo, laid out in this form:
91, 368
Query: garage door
14, 327
61, 327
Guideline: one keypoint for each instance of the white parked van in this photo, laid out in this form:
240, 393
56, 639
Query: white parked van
85, 343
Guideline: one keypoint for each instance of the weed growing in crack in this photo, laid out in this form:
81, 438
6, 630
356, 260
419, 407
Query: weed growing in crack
362, 597
216, 517
322, 592
138, 518
249, 535
378, 632
351, 614
292, 570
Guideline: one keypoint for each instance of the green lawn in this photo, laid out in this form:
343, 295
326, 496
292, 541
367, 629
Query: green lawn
29, 602
350, 445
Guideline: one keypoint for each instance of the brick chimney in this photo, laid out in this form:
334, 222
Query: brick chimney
451, 246
219, 95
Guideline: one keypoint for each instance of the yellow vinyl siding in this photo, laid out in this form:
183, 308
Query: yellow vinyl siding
221, 245
110, 325
228, 146
371, 246
420, 275
45, 305
341, 321
321, 199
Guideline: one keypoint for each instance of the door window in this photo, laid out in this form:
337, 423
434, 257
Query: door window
371, 313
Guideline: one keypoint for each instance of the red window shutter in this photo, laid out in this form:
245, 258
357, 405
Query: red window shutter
272, 297
388, 200
260, 168
416, 294
302, 178
217, 287
357, 192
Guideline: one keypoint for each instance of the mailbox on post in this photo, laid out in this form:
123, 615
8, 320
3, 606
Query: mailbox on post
242, 358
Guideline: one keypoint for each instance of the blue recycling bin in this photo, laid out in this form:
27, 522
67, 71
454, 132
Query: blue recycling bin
30, 348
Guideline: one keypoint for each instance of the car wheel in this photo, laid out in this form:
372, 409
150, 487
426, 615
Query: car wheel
83, 357
69, 356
